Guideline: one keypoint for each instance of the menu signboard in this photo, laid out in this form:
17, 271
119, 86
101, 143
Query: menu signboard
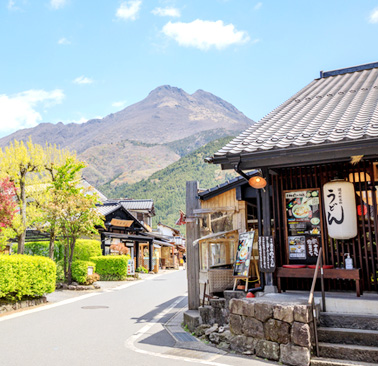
267, 260
303, 220
243, 254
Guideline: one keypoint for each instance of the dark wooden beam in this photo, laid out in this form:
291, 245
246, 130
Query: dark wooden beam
150, 255
192, 233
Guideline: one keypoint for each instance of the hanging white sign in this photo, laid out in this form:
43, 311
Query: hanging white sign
340, 209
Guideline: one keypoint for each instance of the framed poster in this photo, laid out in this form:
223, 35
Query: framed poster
303, 224
243, 254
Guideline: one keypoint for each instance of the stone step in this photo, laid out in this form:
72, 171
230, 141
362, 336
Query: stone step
348, 336
320, 361
351, 321
349, 352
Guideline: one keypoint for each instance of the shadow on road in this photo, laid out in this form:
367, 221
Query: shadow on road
149, 317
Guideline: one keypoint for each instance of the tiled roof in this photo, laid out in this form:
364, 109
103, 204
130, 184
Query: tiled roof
105, 210
340, 106
224, 187
130, 204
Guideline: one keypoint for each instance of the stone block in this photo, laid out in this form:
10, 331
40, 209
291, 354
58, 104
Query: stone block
267, 349
230, 294
242, 307
277, 331
218, 303
302, 313
294, 355
236, 324
284, 313
205, 314
224, 346
241, 344
263, 311
191, 319
300, 334
219, 316
253, 328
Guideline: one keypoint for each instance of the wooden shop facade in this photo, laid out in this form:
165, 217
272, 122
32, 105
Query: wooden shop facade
318, 155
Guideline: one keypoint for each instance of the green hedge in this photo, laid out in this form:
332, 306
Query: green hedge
80, 270
41, 248
111, 267
86, 248
24, 275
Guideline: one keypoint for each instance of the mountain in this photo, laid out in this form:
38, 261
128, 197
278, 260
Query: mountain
167, 186
143, 138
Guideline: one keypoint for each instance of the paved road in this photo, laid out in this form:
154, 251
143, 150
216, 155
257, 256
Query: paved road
119, 326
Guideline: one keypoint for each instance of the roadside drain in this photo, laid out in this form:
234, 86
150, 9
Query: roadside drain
94, 307
183, 337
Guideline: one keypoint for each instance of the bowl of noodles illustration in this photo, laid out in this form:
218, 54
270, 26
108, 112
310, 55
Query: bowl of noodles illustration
243, 254
301, 211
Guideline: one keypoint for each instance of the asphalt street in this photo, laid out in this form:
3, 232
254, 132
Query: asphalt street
122, 325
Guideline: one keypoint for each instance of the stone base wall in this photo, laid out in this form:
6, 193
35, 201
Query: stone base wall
4, 308
280, 332
276, 331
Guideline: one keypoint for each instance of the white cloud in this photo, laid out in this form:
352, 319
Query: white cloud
58, 4
204, 34
129, 9
119, 104
82, 80
64, 41
167, 12
19, 110
373, 17
257, 6
12, 5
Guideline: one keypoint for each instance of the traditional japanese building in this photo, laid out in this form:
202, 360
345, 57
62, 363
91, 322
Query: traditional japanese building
326, 133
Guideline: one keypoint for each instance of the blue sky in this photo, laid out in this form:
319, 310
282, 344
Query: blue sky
73, 60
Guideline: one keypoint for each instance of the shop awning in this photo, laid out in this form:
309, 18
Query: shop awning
214, 236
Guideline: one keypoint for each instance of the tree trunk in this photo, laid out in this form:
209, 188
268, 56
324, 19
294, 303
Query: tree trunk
52, 244
72, 247
65, 261
21, 237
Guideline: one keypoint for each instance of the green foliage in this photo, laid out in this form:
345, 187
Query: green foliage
59, 272
87, 248
141, 269
24, 275
80, 270
167, 187
111, 268
41, 248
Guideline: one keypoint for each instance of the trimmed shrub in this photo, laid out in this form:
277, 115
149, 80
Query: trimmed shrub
41, 248
24, 275
86, 248
111, 267
80, 270
141, 269
60, 271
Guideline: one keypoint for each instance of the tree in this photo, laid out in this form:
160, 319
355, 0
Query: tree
7, 204
74, 208
54, 159
22, 163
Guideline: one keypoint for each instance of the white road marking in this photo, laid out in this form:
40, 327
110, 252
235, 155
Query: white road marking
130, 342
75, 299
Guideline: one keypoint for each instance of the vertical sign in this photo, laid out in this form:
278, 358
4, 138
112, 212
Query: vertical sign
303, 224
340, 208
243, 254
267, 258
130, 267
